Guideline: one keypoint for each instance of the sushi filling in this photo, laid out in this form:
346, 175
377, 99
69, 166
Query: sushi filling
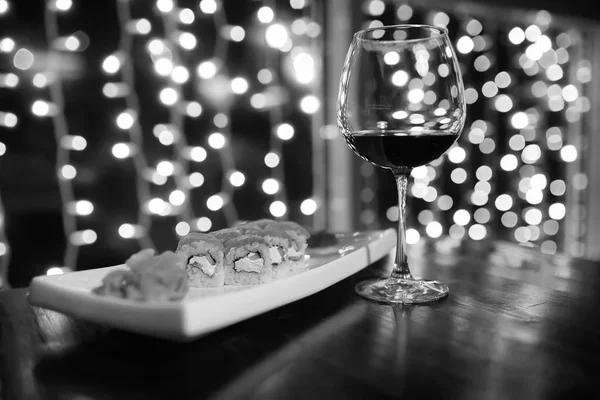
205, 263
277, 254
294, 251
252, 262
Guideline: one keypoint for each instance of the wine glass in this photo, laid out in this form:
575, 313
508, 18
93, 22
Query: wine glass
401, 105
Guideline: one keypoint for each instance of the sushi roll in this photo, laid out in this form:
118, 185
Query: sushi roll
278, 242
280, 245
247, 261
202, 255
299, 238
225, 235
258, 224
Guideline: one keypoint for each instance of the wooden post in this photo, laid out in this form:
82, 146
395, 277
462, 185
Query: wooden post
340, 201
592, 237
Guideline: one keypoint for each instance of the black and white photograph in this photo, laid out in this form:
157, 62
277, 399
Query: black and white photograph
299, 199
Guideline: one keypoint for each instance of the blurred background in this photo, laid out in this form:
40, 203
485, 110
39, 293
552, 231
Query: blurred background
125, 124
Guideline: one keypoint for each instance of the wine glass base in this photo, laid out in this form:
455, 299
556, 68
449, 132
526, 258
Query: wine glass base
402, 291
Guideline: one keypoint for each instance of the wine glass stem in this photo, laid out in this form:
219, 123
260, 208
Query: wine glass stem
401, 270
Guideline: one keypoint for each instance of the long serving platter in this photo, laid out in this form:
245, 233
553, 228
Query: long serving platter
206, 310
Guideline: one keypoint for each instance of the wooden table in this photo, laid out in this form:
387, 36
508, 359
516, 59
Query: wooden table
516, 325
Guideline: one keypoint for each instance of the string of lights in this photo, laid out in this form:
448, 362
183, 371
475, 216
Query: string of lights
285, 49
280, 131
179, 75
56, 109
129, 120
231, 178
308, 66
7, 120
510, 174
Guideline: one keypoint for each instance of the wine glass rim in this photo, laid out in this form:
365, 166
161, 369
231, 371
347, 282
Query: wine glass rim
441, 31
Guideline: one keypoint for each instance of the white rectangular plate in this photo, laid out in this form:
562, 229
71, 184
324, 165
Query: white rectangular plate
205, 310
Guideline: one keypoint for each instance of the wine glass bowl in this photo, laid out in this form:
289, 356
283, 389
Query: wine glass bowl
401, 105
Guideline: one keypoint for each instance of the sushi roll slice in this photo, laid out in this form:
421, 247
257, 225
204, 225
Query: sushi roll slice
225, 235
247, 261
280, 246
299, 237
258, 224
202, 255
278, 242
